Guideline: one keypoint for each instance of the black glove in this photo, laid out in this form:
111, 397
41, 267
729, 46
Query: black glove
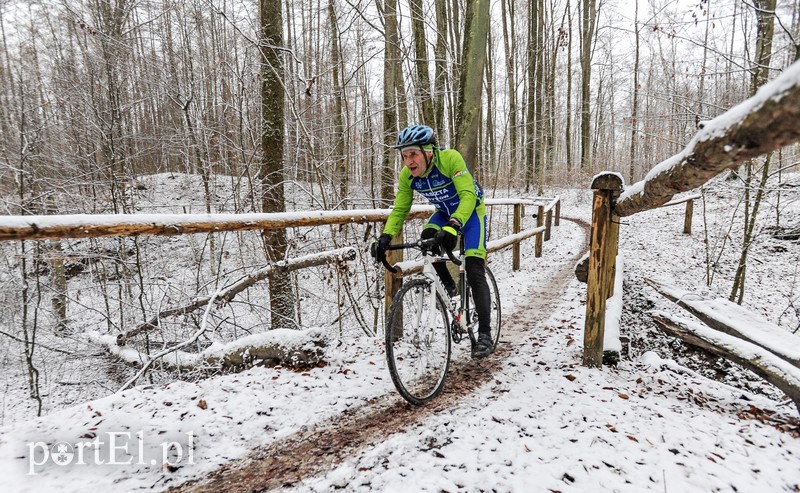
447, 237
427, 234
378, 248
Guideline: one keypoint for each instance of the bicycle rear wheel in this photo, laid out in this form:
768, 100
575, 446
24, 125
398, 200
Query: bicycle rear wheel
494, 296
418, 341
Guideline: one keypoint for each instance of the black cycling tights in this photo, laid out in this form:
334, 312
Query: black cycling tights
476, 276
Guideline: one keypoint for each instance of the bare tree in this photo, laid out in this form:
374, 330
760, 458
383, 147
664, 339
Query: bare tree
421, 54
271, 172
588, 26
765, 14
468, 120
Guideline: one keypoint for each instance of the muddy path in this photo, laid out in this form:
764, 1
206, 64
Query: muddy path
317, 449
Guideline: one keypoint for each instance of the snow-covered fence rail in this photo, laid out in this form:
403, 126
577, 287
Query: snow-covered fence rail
97, 225
42, 227
761, 124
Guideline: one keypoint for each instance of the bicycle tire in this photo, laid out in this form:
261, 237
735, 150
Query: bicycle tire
496, 310
417, 353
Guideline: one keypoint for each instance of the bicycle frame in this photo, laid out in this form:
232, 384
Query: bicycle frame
461, 314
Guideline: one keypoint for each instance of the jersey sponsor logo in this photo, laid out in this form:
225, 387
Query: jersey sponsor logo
459, 173
437, 195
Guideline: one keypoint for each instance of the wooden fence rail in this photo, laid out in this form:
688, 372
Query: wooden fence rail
98, 225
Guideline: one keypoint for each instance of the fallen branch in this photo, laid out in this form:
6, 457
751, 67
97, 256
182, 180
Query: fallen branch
773, 369
728, 317
167, 351
292, 348
228, 293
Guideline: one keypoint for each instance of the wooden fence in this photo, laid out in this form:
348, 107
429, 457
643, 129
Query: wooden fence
43, 227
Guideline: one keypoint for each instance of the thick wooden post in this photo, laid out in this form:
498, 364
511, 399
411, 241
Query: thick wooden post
393, 282
539, 223
602, 245
517, 229
558, 212
548, 224
687, 219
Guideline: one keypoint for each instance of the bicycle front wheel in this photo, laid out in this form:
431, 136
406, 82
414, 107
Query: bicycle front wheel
418, 341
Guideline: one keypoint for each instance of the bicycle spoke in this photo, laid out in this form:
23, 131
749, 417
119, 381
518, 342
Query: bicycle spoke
418, 348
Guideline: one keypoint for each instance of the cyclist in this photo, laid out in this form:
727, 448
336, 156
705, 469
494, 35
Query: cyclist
442, 177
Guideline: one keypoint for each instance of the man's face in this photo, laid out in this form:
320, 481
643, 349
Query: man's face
414, 160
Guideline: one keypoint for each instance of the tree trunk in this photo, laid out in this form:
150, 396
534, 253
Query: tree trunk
635, 100
537, 47
765, 13
568, 125
587, 38
510, 48
340, 167
468, 119
420, 50
441, 82
281, 294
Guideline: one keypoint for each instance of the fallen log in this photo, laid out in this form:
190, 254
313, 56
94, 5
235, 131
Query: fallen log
291, 348
773, 369
728, 317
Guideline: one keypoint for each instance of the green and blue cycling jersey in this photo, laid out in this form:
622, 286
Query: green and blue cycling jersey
450, 188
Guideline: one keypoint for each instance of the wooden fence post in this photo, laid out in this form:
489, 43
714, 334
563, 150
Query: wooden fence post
539, 223
602, 245
548, 224
517, 229
393, 282
558, 212
687, 219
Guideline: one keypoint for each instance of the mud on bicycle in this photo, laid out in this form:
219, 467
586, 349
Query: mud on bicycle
424, 319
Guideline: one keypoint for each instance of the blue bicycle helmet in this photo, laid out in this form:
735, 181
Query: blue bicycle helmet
416, 135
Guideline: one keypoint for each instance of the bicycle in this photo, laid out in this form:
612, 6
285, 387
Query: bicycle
421, 326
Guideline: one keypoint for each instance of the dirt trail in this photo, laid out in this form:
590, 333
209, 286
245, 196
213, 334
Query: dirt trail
320, 448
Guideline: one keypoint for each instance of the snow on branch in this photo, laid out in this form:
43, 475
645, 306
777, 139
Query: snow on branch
732, 319
764, 123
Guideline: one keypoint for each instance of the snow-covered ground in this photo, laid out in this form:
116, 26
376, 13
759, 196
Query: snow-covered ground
544, 423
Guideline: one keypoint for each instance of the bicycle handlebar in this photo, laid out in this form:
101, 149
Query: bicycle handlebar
423, 245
